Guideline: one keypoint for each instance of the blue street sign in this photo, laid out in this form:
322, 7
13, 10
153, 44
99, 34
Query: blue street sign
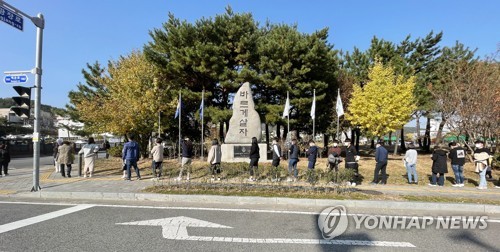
22, 78
11, 18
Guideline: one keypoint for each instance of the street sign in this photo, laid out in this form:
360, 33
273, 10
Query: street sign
21, 78
11, 18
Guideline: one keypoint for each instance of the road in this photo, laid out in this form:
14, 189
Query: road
99, 226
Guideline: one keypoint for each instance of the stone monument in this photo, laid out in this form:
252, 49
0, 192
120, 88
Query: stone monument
243, 125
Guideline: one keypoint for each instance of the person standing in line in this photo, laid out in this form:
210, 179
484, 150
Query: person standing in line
312, 154
439, 165
157, 162
351, 159
276, 154
89, 151
4, 160
457, 156
130, 156
106, 146
482, 160
58, 143
187, 158
294, 159
410, 161
334, 159
66, 157
214, 159
254, 159
381, 157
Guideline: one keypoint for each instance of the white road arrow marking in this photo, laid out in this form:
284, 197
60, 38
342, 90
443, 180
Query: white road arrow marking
176, 229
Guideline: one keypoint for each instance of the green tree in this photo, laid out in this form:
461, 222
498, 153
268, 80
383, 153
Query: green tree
384, 104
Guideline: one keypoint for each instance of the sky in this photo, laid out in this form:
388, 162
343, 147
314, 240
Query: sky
78, 32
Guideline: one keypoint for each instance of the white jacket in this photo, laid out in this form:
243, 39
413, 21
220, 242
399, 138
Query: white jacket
89, 150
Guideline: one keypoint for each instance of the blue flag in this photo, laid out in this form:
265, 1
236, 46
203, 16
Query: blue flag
178, 109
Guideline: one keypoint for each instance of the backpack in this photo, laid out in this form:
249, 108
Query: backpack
333, 158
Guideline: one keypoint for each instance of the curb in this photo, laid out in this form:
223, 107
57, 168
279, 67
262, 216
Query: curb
383, 205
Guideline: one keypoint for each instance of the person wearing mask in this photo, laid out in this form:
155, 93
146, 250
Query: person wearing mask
439, 165
106, 146
214, 159
130, 156
89, 151
334, 159
482, 161
157, 162
294, 153
4, 160
254, 159
351, 159
66, 157
457, 156
312, 154
410, 161
187, 158
381, 157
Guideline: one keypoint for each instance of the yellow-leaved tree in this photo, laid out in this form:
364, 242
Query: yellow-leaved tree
384, 104
131, 100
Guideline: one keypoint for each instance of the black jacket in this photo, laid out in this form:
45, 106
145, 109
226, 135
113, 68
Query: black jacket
457, 156
254, 151
312, 153
350, 154
275, 156
439, 164
294, 152
4, 156
187, 149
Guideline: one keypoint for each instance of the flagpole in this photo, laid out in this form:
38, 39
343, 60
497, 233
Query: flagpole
314, 118
202, 120
180, 113
288, 117
338, 117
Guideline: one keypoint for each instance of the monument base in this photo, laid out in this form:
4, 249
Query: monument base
240, 152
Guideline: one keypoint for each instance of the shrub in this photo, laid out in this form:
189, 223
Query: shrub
115, 151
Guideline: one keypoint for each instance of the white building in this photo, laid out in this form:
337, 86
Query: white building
65, 125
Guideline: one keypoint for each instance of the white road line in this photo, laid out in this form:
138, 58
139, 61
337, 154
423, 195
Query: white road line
298, 241
242, 210
33, 220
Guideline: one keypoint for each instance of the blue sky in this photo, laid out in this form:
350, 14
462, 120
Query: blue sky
78, 32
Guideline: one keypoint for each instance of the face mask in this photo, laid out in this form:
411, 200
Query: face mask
478, 146
334, 145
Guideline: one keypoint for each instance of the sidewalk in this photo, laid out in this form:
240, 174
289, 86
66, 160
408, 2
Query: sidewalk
19, 184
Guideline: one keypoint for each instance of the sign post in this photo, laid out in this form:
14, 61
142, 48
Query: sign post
14, 17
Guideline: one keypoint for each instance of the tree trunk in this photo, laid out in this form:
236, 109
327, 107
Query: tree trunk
358, 133
372, 145
396, 145
390, 138
427, 137
267, 134
419, 139
326, 139
440, 131
227, 129
403, 144
221, 132
285, 134
278, 131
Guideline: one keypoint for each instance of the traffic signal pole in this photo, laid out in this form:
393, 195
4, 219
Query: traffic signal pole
40, 24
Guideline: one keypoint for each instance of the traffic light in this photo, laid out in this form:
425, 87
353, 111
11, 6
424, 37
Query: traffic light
23, 101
